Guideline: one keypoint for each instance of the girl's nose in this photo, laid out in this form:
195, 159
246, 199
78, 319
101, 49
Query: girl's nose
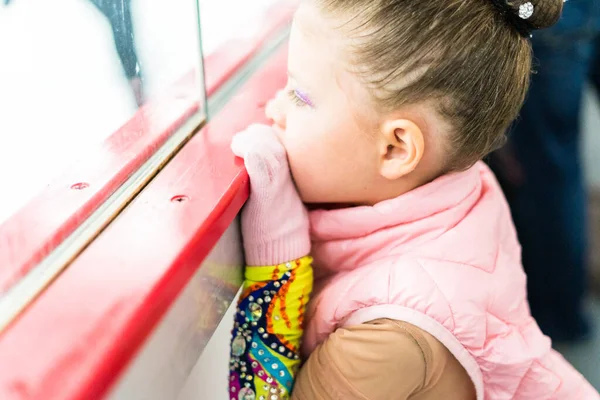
275, 110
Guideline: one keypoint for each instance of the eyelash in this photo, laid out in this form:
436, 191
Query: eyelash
296, 99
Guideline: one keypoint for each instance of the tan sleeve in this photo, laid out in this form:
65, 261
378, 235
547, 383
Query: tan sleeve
382, 360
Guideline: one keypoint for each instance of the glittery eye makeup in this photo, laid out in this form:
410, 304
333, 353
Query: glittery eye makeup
304, 97
300, 98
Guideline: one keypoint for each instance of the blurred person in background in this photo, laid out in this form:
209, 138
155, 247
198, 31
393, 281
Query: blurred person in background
118, 13
541, 171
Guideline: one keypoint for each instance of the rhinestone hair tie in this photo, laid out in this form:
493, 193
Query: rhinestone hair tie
526, 10
517, 18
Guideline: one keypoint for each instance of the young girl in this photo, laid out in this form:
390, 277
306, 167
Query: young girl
419, 289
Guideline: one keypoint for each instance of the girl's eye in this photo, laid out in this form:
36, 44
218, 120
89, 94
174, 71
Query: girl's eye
299, 98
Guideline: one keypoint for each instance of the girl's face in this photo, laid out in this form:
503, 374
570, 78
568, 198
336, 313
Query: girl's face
325, 115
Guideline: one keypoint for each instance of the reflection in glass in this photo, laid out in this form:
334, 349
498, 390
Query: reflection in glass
72, 72
118, 13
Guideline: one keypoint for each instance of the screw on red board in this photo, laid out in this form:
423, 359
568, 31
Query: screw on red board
80, 186
180, 198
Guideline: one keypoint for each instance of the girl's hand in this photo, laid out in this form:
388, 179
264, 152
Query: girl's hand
275, 225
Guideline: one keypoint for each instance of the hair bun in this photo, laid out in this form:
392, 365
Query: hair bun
545, 12
529, 15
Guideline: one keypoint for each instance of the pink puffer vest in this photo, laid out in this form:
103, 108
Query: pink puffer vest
444, 257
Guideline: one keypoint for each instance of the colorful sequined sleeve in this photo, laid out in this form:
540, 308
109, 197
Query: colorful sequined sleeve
267, 332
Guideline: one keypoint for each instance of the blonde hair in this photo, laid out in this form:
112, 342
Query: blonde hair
466, 54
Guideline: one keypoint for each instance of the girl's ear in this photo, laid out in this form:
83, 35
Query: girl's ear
401, 148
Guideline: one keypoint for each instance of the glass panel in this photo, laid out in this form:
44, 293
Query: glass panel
72, 72
220, 24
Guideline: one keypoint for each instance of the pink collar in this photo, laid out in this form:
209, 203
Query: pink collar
356, 235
